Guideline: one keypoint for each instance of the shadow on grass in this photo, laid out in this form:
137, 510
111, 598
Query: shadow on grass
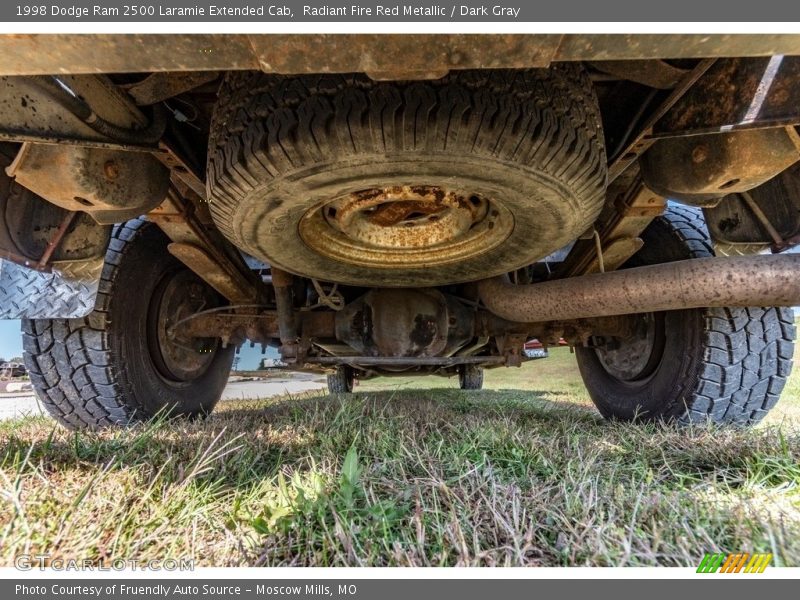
413, 403
277, 433
406, 476
244, 442
258, 438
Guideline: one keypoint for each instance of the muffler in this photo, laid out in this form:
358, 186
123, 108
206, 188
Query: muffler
761, 280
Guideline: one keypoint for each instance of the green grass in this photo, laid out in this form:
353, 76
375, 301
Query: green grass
524, 474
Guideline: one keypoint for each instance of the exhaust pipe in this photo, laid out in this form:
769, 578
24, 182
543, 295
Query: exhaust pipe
771, 280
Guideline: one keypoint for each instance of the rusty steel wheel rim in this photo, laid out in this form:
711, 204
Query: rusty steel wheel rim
405, 226
178, 357
636, 357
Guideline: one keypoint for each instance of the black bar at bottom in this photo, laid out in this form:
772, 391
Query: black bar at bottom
388, 589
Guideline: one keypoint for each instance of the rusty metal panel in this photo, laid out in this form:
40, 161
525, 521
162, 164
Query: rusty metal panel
638, 46
401, 56
111, 185
163, 85
641, 141
738, 93
25, 111
380, 55
700, 169
767, 216
41, 54
653, 73
30, 112
211, 271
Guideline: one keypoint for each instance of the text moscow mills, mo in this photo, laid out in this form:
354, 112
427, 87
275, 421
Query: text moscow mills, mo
278, 11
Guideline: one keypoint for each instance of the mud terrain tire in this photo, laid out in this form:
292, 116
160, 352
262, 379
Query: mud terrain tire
101, 370
470, 377
341, 382
709, 365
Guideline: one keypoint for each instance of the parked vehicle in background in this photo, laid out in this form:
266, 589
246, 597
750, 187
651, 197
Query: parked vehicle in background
12, 370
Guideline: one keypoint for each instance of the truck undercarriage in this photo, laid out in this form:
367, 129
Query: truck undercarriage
394, 205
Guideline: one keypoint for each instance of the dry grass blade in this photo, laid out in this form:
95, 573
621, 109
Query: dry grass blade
523, 474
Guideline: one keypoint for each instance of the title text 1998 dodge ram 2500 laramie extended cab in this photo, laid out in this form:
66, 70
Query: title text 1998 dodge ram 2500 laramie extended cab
378, 205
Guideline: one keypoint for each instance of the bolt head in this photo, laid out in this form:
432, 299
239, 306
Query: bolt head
111, 170
700, 154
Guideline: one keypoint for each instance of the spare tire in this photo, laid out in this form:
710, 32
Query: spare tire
341, 178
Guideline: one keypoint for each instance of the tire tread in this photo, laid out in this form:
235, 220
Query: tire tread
265, 126
70, 362
746, 352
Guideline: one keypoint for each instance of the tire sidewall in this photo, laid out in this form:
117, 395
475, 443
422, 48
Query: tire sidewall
662, 393
668, 391
144, 266
530, 139
470, 377
289, 198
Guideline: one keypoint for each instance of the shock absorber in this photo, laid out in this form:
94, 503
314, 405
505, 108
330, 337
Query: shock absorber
287, 322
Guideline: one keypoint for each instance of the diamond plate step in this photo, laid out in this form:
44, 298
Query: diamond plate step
69, 291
